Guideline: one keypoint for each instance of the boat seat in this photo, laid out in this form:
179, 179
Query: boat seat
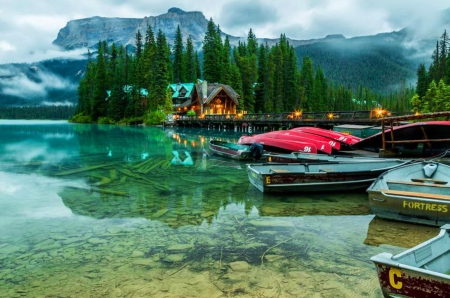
417, 183
415, 194
426, 180
327, 170
277, 171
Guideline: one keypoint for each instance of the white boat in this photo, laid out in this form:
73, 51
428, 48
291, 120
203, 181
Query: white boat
299, 157
317, 177
421, 271
417, 192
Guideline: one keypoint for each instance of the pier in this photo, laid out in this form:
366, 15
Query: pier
274, 121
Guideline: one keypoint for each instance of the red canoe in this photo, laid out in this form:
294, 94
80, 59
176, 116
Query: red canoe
278, 145
345, 139
321, 145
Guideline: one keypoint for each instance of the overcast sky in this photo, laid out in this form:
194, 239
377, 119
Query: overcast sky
28, 27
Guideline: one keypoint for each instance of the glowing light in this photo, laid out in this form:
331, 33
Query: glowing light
298, 113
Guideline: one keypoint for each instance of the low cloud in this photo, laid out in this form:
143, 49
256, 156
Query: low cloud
14, 82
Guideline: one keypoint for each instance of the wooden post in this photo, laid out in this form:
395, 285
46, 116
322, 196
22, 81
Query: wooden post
392, 134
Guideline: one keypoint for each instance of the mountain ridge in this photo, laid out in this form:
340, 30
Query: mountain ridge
403, 50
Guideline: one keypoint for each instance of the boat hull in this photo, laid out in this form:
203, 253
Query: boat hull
417, 272
319, 177
299, 157
423, 134
278, 145
344, 139
231, 150
396, 195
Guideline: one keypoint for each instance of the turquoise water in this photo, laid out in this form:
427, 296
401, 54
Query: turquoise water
106, 211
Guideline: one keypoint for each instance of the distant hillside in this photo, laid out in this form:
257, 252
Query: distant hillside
378, 62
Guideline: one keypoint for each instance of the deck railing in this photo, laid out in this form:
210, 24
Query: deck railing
359, 117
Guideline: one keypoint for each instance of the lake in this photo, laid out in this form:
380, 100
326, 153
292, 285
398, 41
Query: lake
108, 211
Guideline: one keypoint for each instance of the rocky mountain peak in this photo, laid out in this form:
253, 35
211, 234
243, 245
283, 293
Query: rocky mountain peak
176, 10
88, 32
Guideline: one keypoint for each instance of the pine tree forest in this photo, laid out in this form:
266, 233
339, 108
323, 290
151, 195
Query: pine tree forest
433, 86
123, 86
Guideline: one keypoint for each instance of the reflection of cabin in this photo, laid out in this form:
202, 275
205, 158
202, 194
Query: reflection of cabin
204, 98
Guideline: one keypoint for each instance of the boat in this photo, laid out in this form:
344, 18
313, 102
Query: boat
420, 138
231, 150
317, 177
322, 144
418, 192
345, 139
299, 157
421, 271
277, 145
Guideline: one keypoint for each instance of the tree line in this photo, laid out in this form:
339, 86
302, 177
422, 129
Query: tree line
55, 112
132, 86
433, 85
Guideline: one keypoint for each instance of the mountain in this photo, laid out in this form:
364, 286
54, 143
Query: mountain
380, 62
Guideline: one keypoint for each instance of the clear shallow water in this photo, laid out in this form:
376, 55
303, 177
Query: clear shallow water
101, 211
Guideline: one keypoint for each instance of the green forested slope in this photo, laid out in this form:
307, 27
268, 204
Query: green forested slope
378, 62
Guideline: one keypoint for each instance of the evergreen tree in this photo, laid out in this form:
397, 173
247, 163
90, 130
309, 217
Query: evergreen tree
117, 99
429, 98
86, 88
307, 82
150, 67
422, 81
320, 92
443, 53
211, 54
99, 103
198, 70
190, 58
276, 57
262, 81
179, 65
225, 71
292, 81
163, 72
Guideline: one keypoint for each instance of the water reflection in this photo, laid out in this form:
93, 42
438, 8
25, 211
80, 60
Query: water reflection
101, 211
399, 234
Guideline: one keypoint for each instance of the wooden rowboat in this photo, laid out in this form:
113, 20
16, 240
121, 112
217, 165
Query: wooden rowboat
417, 192
421, 271
299, 157
317, 177
231, 150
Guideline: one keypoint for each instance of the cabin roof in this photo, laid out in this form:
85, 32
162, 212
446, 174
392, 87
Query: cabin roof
181, 89
213, 89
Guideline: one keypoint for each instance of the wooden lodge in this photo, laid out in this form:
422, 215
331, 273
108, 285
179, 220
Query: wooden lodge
204, 98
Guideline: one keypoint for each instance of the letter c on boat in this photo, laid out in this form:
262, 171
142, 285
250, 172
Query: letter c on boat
395, 274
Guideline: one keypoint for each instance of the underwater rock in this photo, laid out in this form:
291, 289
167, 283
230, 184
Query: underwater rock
180, 247
144, 262
174, 258
239, 266
96, 241
137, 254
207, 214
160, 213
271, 223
